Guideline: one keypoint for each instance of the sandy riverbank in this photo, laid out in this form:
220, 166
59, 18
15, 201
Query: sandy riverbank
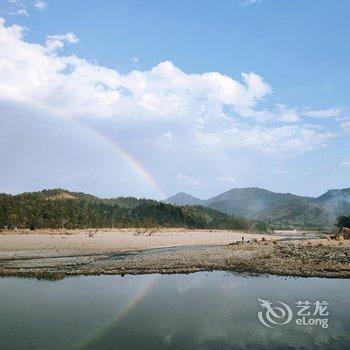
24, 244
58, 254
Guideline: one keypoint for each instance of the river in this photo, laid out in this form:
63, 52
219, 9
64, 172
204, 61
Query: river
213, 310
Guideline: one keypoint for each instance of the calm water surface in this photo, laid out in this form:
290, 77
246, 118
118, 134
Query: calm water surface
213, 310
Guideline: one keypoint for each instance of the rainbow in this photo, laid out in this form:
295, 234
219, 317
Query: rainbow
135, 301
117, 149
123, 312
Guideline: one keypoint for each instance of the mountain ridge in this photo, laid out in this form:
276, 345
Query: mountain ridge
281, 208
182, 198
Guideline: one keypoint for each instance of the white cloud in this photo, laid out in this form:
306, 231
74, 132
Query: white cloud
345, 163
70, 38
289, 118
249, 2
134, 60
324, 113
181, 176
282, 139
40, 5
19, 12
194, 104
56, 42
22, 12
17, 8
286, 114
168, 136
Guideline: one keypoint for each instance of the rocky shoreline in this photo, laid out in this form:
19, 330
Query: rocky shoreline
316, 258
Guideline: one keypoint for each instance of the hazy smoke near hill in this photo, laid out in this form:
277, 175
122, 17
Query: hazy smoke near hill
283, 209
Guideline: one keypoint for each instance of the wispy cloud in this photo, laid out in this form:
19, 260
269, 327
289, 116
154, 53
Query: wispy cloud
40, 5
17, 8
287, 114
168, 136
19, 12
70, 38
324, 113
56, 42
249, 2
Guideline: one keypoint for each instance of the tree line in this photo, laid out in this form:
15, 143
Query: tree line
343, 221
64, 209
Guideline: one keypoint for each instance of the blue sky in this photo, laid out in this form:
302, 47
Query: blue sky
147, 98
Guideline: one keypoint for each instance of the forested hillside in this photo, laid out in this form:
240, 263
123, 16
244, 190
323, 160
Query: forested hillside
63, 209
297, 213
279, 210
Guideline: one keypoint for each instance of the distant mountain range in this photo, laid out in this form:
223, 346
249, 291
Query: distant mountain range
278, 209
239, 208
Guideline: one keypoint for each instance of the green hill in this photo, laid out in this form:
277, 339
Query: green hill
182, 198
64, 209
336, 202
297, 214
248, 202
282, 210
